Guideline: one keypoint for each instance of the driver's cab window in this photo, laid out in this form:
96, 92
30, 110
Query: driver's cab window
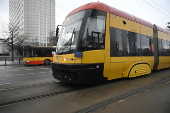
93, 37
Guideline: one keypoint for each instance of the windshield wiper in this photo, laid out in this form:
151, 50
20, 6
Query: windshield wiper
68, 42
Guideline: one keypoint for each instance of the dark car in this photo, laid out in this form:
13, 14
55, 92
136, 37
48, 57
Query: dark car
4, 54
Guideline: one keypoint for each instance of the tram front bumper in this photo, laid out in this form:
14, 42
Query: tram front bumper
78, 73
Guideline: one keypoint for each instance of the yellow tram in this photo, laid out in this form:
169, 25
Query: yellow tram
99, 43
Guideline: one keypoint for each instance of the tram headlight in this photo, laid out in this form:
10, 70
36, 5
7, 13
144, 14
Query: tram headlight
97, 66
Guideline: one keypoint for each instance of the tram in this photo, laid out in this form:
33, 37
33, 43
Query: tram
98, 43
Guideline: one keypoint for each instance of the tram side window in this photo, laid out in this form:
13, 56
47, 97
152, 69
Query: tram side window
168, 48
116, 42
146, 45
164, 48
160, 46
152, 45
124, 42
138, 45
133, 44
119, 49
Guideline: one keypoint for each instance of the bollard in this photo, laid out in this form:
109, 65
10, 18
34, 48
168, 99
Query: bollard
5, 61
19, 60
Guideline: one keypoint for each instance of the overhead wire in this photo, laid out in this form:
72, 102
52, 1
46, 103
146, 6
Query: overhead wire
61, 8
156, 9
160, 6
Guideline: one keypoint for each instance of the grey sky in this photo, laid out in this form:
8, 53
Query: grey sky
138, 8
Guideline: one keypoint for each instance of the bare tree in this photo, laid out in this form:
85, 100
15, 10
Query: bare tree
13, 40
35, 41
52, 39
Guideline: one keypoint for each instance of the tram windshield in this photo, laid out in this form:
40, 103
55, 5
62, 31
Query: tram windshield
91, 36
69, 33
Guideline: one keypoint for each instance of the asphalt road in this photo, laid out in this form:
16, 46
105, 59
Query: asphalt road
22, 74
154, 100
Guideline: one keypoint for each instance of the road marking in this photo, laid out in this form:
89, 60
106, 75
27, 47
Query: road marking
29, 69
31, 73
20, 74
44, 68
21, 68
12, 70
7, 75
42, 72
5, 84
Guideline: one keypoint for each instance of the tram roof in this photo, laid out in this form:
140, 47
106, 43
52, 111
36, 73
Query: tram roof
107, 8
162, 29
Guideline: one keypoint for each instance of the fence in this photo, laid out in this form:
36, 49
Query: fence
8, 61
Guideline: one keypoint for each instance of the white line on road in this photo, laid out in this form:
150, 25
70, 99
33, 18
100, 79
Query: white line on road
42, 72
5, 84
29, 69
7, 75
31, 73
12, 70
20, 74
44, 68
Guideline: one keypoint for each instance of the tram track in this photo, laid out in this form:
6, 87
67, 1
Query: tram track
121, 97
34, 98
65, 89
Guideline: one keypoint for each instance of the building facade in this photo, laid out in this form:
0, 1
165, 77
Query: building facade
34, 19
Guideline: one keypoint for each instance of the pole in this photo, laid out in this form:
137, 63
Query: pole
5, 61
12, 47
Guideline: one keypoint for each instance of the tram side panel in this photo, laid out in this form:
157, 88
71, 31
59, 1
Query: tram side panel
126, 49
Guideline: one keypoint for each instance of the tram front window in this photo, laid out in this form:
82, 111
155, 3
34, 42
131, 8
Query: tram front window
93, 37
69, 33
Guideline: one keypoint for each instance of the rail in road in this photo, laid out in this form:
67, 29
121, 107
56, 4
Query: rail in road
57, 88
